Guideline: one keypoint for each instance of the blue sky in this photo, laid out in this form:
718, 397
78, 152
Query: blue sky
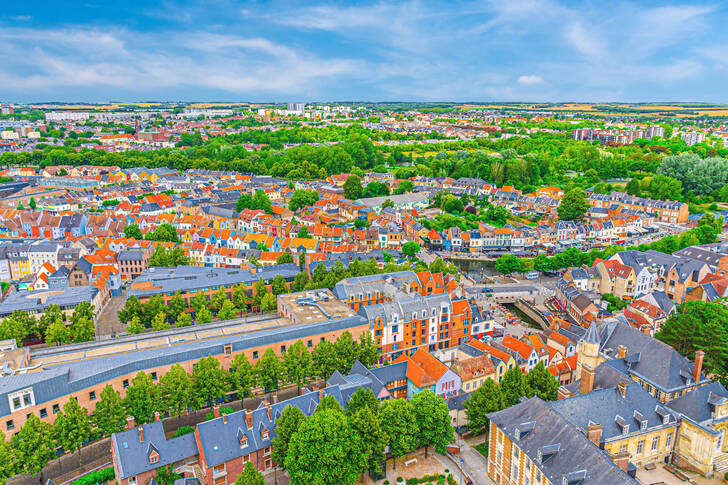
504, 50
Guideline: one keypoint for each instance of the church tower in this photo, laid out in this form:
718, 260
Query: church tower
588, 349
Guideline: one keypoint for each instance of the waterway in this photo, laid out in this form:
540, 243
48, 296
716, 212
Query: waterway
524, 318
475, 268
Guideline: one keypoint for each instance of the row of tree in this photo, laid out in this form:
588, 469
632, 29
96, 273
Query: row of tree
336, 446
174, 394
53, 326
491, 397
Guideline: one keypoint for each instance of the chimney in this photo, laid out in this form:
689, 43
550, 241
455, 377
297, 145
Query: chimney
647, 329
621, 459
216, 410
698, 365
622, 388
141, 435
156, 415
322, 393
249, 418
130, 422
622, 352
224, 418
587, 379
594, 433
275, 398
268, 408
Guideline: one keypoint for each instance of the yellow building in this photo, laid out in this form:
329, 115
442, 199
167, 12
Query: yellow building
701, 443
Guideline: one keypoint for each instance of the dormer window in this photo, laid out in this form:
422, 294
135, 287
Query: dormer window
264, 434
243, 441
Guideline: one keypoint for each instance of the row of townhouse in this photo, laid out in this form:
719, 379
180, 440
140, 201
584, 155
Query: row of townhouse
663, 210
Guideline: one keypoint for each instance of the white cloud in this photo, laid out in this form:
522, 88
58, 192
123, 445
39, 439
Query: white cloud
530, 80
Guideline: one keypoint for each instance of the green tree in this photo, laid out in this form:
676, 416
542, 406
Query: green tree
353, 188
132, 308
633, 187
278, 285
159, 257
176, 305
268, 303
240, 299
159, 322
488, 398
303, 233
368, 352
262, 202
109, 415
325, 360
153, 307
57, 332
663, 187
297, 364
203, 316
368, 438
290, 420
18, 325
217, 300
269, 370
433, 421
302, 198
574, 205
141, 398
242, 376
132, 231
508, 264
32, 203
321, 451
227, 311
176, 390
183, 320
362, 398
72, 427
284, 258
410, 249
135, 326
250, 475
328, 402
514, 386
346, 351
209, 381
7, 460
542, 383
198, 302
398, 420
33, 446
699, 325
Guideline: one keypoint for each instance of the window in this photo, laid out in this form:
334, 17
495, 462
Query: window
640, 447
655, 443
255, 354
132, 481
623, 448
56, 408
266, 451
92, 396
668, 441
154, 458
309, 344
21, 399
125, 383
228, 349
154, 376
9, 424
43, 413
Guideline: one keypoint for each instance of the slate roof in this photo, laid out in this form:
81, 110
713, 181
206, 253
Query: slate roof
696, 404
133, 455
564, 448
654, 361
602, 406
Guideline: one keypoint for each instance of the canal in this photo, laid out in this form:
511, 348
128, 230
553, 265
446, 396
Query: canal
524, 318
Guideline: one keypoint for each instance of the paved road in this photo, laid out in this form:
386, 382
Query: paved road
470, 463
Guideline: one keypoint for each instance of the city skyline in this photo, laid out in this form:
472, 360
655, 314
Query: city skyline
365, 51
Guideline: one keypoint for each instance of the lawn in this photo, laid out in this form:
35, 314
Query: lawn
482, 448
